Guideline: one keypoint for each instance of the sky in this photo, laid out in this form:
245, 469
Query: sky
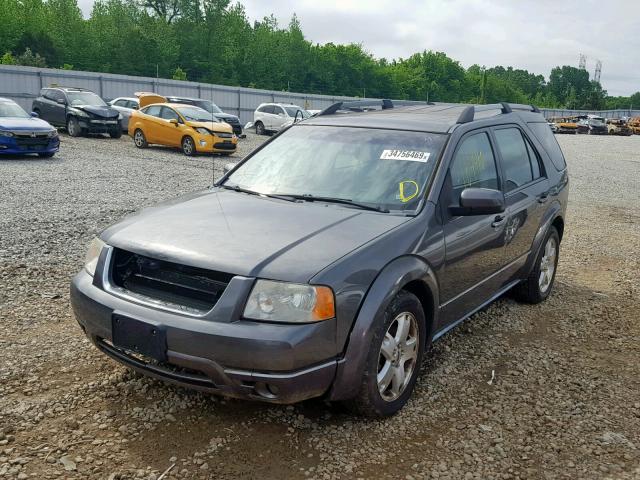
535, 35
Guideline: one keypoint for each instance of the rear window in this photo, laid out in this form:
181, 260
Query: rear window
545, 136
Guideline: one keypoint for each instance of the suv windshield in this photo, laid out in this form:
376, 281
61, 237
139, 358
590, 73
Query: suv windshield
12, 110
209, 106
385, 168
196, 114
85, 98
292, 110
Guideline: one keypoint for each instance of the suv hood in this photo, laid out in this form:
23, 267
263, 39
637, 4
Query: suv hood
226, 116
104, 112
248, 235
15, 123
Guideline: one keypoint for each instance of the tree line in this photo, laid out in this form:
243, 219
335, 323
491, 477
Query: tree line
213, 41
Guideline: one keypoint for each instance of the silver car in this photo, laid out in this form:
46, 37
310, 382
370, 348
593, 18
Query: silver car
125, 105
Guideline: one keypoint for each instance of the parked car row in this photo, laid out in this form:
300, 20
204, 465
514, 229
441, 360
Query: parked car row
594, 125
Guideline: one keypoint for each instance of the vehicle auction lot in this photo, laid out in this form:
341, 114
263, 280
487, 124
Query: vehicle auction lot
564, 403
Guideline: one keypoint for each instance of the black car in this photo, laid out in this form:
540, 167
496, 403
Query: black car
80, 111
328, 260
212, 108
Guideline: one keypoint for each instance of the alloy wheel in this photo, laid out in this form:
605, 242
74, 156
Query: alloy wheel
548, 265
398, 356
138, 139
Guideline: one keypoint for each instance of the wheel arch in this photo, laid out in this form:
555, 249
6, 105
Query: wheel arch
410, 273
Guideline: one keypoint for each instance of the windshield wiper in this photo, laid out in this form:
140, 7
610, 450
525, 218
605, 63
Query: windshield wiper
237, 188
345, 201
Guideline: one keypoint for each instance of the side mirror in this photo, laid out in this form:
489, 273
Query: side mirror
61, 101
34, 115
479, 201
174, 122
228, 167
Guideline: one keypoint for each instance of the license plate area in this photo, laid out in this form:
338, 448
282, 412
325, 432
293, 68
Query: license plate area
139, 337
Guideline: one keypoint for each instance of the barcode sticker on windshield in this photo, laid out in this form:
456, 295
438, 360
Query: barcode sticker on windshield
410, 155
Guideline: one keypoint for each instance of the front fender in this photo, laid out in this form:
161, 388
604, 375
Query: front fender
387, 284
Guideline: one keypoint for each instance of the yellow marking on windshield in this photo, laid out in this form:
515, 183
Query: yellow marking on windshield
405, 198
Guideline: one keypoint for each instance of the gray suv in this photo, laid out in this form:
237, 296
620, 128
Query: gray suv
328, 260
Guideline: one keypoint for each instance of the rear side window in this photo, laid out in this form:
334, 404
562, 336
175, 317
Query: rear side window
515, 158
545, 136
473, 166
266, 109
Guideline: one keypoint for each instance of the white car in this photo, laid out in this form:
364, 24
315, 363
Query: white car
125, 105
273, 117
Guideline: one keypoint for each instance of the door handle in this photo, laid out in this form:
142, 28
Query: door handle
543, 198
498, 220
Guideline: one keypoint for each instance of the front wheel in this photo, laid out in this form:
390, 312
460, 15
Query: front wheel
139, 139
394, 359
188, 146
260, 130
73, 127
539, 284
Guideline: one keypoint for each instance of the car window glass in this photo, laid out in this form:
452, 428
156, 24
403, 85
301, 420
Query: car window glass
153, 110
169, 114
278, 110
55, 95
132, 104
515, 158
546, 138
473, 166
534, 159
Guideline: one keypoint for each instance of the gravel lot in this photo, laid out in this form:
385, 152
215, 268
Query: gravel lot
565, 402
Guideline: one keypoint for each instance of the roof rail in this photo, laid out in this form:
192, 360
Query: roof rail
356, 106
468, 114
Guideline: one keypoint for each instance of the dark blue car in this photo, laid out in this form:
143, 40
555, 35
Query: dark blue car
21, 133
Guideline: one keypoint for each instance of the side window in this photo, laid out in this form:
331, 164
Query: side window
120, 103
131, 104
473, 166
153, 110
278, 110
55, 95
534, 158
515, 158
545, 136
169, 114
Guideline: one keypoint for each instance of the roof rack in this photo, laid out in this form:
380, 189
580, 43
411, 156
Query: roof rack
55, 85
468, 114
367, 105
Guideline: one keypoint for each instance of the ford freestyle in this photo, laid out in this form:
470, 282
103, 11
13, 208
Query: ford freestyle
328, 260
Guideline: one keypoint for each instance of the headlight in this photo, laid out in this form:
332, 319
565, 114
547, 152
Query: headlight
91, 260
52, 133
119, 116
289, 302
79, 113
203, 131
4, 133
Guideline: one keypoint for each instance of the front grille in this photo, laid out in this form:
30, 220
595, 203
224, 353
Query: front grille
224, 146
170, 283
26, 140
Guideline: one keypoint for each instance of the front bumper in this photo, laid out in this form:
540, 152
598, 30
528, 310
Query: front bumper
270, 362
215, 144
10, 146
99, 126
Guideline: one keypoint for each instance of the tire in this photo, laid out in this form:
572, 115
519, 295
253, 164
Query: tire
46, 154
139, 140
260, 130
534, 289
115, 133
188, 146
391, 394
73, 127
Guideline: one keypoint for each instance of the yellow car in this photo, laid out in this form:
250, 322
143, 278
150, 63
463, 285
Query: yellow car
176, 125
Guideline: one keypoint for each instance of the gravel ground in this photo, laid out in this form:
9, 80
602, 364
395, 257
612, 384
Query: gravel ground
565, 401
